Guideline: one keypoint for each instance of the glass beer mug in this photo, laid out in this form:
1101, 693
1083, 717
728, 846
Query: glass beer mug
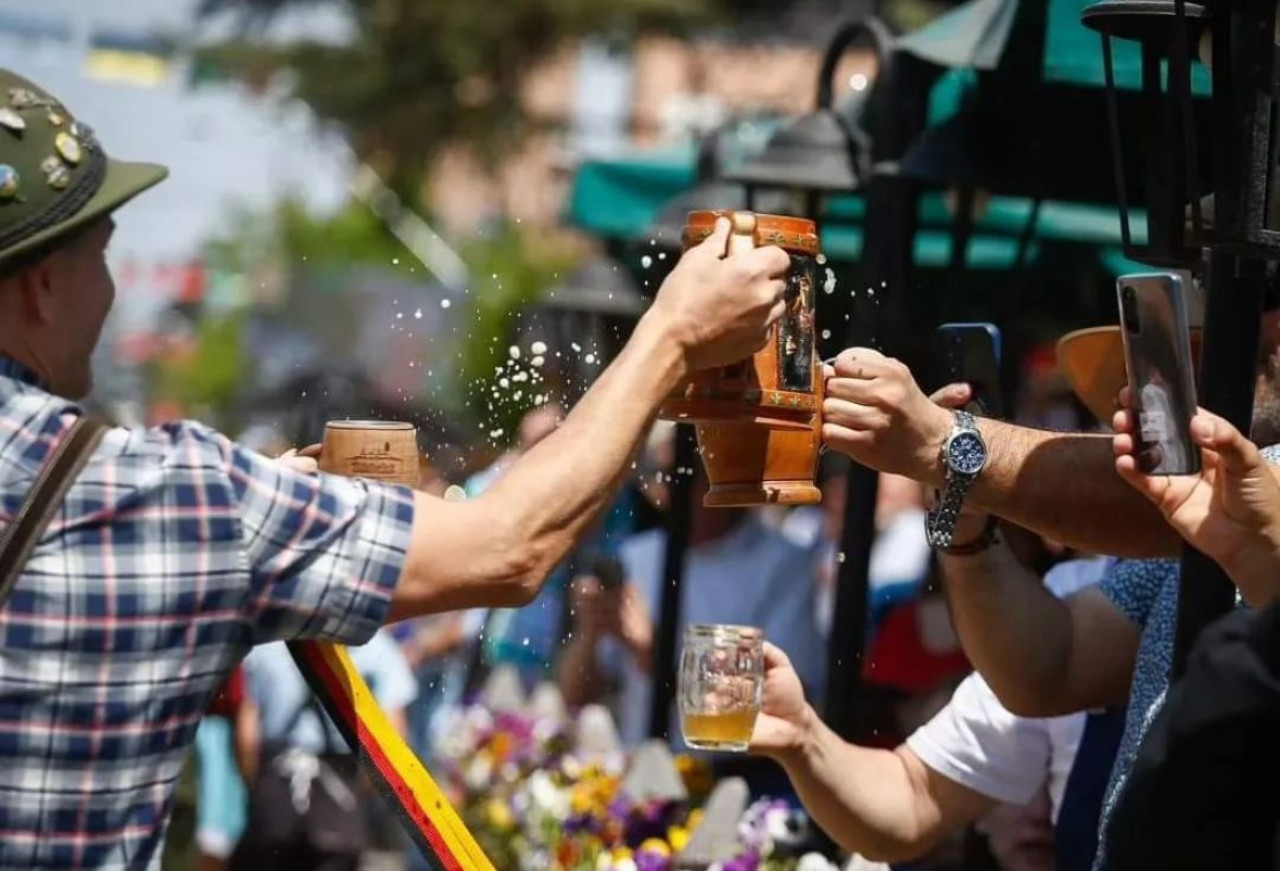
720, 686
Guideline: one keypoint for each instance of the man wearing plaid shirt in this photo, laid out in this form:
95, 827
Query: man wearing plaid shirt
176, 550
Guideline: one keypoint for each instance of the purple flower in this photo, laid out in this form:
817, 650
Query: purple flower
748, 861
649, 860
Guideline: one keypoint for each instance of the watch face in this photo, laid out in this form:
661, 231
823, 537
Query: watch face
966, 454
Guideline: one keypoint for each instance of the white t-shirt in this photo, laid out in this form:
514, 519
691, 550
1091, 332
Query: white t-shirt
754, 576
978, 743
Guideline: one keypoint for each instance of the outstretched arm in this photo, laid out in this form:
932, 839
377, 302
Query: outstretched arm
1060, 485
886, 805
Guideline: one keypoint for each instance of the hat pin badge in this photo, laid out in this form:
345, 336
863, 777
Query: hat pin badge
9, 183
84, 134
25, 98
56, 174
12, 120
68, 148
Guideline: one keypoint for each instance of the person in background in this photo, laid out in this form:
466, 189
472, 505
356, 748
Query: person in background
900, 556
307, 805
1021, 836
228, 745
738, 570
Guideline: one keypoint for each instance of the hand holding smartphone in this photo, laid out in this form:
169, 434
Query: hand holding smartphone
1157, 353
970, 353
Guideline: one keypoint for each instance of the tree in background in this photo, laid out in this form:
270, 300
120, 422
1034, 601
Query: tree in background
303, 266
421, 76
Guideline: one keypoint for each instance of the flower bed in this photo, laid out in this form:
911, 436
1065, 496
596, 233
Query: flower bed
535, 802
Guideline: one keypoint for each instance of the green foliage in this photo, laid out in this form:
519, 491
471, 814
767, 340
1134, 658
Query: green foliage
509, 267
421, 76
291, 233
209, 376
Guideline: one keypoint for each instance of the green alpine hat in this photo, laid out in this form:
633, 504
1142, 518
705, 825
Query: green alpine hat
54, 176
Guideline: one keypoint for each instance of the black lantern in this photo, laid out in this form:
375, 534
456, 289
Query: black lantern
1169, 33
823, 151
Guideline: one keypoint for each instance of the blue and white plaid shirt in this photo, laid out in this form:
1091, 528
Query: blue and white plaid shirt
174, 553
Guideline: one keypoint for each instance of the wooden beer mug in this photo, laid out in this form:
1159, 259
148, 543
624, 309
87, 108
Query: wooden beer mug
380, 450
759, 422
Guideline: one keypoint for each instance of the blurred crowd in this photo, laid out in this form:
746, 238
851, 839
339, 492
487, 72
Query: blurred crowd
591, 633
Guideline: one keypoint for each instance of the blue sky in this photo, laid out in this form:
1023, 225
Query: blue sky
223, 146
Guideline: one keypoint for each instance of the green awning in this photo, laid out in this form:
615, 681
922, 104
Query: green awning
620, 197
974, 36
1073, 52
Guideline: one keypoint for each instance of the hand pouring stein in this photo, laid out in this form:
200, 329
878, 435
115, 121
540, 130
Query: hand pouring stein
759, 421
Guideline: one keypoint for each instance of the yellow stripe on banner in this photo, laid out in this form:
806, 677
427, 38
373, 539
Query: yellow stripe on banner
351, 704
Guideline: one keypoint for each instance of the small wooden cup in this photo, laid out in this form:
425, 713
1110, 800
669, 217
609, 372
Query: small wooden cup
381, 450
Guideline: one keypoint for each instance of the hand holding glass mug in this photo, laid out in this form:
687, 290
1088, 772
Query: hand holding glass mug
720, 686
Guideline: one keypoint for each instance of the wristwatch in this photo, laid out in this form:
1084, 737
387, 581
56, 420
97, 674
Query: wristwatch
964, 455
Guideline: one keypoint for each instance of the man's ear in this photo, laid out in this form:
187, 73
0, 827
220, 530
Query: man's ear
34, 287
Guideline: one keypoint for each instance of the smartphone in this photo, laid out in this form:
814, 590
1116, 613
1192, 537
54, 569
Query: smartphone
1157, 355
971, 353
608, 570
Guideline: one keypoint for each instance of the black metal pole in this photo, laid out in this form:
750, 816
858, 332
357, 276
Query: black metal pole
1243, 50
888, 239
679, 518
1228, 371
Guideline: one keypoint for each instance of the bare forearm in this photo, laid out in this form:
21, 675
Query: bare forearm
498, 549
1064, 486
560, 487
872, 802
1014, 631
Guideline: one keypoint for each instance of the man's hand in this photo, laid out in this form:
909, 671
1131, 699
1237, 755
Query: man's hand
1230, 511
786, 719
717, 308
299, 461
635, 626
876, 413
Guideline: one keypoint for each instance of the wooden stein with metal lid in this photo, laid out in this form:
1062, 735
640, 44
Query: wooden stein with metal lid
759, 422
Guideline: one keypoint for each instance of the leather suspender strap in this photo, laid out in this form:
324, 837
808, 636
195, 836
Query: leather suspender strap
42, 503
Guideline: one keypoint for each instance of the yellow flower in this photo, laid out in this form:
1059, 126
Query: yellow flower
620, 853
695, 819
498, 814
582, 801
678, 836
656, 845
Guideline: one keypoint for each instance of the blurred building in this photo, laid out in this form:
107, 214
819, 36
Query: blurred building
604, 98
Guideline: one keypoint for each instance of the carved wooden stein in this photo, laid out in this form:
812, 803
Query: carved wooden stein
759, 422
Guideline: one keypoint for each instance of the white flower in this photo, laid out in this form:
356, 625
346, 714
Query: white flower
478, 773
548, 799
604, 862
626, 864
815, 862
